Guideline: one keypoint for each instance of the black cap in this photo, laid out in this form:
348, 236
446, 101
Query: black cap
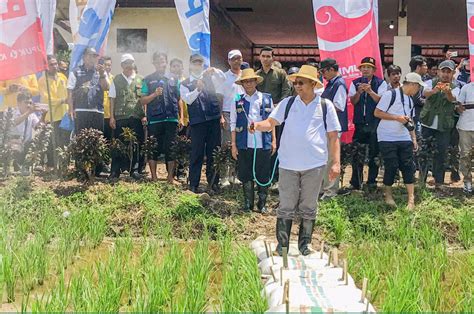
196, 57
368, 61
328, 63
293, 70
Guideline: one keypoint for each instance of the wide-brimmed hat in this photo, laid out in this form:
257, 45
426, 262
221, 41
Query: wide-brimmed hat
309, 72
249, 74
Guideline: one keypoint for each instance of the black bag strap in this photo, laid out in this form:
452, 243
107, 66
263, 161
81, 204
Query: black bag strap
392, 100
287, 112
324, 106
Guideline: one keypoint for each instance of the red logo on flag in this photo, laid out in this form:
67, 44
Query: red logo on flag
21, 44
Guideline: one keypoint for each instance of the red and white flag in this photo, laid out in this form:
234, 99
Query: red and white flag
347, 31
21, 39
470, 29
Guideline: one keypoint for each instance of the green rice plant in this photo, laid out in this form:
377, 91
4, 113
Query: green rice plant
110, 287
196, 281
466, 228
26, 259
160, 282
82, 293
10, 273
240, 271
96, 227
40, 259
56, 302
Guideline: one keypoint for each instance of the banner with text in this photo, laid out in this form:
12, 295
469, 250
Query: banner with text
21, 43
347, 31
194, 18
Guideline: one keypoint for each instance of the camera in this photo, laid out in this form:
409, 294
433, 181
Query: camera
410, 126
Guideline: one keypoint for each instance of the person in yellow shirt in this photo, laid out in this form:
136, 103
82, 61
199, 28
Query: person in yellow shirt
108, 68
59, 106
9, 89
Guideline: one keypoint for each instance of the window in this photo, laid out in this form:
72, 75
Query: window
132, 40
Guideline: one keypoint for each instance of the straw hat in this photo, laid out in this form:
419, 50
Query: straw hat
309, 72
249, 74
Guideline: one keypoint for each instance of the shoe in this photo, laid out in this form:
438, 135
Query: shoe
114, 175
283, 231
249, 196
262, 193
467, 187
455, 176
136, 176
354, 187
326, 196
195, 189
304, 236
344, 192
225, 182
371, 187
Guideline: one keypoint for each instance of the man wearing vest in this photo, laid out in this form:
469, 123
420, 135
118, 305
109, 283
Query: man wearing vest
204, 108
86, 86
161, 101
126, 112
252, 106
365, 92
310, 127
336, 92
437, 116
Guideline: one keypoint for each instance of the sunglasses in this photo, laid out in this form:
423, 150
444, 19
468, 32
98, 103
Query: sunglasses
299, 83
248, 81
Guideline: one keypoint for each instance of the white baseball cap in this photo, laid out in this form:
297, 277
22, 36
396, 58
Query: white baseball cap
126, 57
234, 53
414, 78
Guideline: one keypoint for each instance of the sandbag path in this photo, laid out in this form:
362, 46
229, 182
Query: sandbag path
313, 283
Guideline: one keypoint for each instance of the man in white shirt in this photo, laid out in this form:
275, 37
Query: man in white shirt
396, 135
230, 90
252, 106
303, 154
465, 127
25, 121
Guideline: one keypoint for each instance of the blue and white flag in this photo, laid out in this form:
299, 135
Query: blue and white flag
93, 28
194, 18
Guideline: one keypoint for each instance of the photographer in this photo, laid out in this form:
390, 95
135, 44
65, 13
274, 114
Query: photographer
396, 136
25, 121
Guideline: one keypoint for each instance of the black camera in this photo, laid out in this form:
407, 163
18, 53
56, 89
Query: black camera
409, 125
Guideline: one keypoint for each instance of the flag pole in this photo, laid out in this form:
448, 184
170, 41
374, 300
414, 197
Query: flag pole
53, 132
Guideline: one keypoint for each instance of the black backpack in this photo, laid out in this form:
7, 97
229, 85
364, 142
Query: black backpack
287, 111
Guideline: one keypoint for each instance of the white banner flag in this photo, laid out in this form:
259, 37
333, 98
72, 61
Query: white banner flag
76, 7
195, 22
47, 12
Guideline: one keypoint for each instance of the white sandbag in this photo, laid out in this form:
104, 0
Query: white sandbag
308, 262
258, 245
299, 295
327, 276
281, 308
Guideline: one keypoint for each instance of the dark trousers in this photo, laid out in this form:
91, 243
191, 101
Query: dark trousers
165, 134
89, 120
180, 169
398, 156
366, 134
108, 132
275, 156
120, 161
262, 165
61, 138
205, 138
442, 140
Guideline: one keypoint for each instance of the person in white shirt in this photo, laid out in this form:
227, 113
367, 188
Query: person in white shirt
230, 90
25, 121
126, 112
252, 106
465, 127
308, 127
396, 135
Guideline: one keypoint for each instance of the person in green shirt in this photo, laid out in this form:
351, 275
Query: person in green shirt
126, 111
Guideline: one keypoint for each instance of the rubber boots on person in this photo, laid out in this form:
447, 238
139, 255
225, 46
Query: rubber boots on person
305, 235
283, 231
262, 193
249, 195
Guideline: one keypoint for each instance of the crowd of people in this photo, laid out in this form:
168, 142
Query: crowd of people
260, 115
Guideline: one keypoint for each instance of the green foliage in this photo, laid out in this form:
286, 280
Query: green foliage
39, 146
6, 147
89, 149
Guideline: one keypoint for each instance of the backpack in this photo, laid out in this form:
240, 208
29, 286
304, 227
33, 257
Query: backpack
287, 111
